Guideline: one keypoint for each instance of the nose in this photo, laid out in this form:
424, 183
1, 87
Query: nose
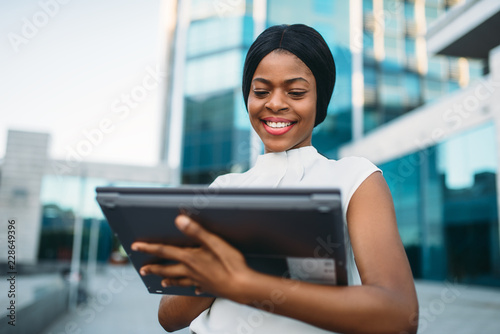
277, 102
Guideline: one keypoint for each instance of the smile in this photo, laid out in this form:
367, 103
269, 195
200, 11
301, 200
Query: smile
277, 125
277, 128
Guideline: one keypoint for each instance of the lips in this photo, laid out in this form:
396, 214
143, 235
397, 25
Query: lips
277, 126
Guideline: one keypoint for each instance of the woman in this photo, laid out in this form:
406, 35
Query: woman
288, 80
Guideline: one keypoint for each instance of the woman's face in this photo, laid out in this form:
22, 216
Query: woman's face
282, 102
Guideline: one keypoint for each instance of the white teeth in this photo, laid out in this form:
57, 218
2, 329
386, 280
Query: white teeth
278, 124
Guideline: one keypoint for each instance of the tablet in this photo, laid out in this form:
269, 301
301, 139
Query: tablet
293, 233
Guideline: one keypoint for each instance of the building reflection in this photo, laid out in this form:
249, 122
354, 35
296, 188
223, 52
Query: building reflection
449, 221
46, 197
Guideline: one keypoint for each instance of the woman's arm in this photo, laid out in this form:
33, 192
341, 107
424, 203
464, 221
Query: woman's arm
177, 312
385, 303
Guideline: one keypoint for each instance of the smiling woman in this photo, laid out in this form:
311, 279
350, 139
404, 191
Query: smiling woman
288, 80
282, 102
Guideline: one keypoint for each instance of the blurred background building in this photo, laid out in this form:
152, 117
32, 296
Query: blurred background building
47, 196
441, 160
407, 98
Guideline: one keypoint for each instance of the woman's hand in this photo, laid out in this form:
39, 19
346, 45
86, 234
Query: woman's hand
215, 267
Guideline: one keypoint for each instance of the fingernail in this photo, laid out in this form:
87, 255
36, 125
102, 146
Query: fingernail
182, 222
134, 247
164, 284
143, 272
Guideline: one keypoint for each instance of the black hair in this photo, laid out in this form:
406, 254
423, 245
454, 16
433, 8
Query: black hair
305, 43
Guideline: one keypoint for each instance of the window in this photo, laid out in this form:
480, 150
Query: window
412, 89
214, 73
409, 10
323, 7
367, 6
391, 90
410, 48
433, 89
445, 198
214, 34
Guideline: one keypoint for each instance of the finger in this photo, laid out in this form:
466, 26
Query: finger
182, 281
159, 250
196, 232
174, 270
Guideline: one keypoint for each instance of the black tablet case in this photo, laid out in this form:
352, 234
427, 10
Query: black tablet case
293, 233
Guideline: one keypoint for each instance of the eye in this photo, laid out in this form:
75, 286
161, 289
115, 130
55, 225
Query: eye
260, 93
297, 94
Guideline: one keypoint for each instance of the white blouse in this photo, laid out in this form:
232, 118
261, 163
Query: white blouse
301, 167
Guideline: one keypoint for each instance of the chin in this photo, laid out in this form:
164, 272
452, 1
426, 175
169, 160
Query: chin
278, 147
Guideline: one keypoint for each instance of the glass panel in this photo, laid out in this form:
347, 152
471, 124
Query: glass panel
410, 47
370, 76
433, 89
391, 91
464, 157
467, 164
208, 128
367, 6
323, 7
368, 41
412, 88
446, 204
214, 34
436, 67
214, 73
409, 10
403, 179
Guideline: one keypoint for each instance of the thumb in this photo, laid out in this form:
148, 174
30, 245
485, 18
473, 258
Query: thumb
198, 233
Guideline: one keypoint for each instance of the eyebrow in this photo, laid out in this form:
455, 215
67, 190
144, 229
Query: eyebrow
287, 81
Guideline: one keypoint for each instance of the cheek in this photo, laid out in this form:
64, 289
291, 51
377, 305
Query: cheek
253, 107
308, 111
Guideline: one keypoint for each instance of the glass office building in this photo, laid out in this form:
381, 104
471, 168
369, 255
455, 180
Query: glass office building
64, 199
445, 205
399, 75
215, 132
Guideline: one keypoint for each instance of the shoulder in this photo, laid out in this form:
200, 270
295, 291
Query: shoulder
350, 173
355, 168
350, 169
358, 163
229, 180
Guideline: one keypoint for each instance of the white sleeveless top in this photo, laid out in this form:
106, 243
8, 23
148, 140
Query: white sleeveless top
301, 167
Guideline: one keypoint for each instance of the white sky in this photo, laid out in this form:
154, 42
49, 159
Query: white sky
71, 69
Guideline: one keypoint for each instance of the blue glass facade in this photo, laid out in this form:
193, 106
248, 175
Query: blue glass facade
398, 76
215, 119
446, 205
62, 198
